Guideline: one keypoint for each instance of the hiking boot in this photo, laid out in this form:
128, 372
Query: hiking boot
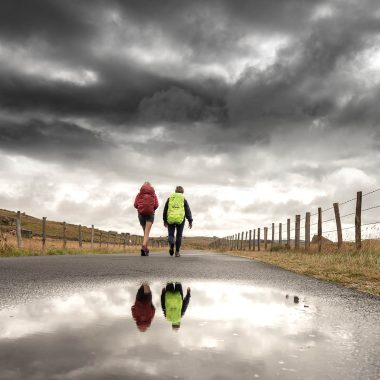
144, 251
177, 254
171, 250
147, 252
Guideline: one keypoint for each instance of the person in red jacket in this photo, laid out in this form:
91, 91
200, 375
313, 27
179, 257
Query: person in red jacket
143, 310
146, 203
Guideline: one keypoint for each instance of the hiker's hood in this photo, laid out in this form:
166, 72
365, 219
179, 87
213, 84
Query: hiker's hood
147, 189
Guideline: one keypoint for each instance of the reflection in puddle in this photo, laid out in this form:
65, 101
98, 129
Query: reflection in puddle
132, 331
143, 310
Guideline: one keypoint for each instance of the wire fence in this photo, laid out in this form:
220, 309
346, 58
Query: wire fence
353, 221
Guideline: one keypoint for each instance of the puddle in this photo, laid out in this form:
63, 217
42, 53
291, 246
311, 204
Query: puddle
220, 330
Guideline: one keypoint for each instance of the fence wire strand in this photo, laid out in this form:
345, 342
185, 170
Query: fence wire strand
371, 192
371, 208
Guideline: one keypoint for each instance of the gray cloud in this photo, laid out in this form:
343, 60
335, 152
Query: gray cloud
59, 139
302, 85
176, 105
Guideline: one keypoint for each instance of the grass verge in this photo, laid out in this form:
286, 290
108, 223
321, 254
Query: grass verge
16, 252
358, 270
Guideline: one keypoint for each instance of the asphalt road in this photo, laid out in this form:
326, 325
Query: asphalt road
24, 277
355, 316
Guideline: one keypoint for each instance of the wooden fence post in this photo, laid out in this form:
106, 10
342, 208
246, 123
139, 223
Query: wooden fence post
280, 234
43, 233
18, 230
258, 239
64, 235
100, 239
271, 246
338, 224
242, 241
238, 242
92, 236
319, 229
298, 230
288, 233
358, 220
265, 238
246, 239
80, 236
250, 240
307, 231
254, 240
108, 239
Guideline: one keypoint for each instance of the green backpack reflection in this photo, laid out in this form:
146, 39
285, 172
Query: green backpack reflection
173, 304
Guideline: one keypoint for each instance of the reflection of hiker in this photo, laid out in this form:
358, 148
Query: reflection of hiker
146, 203
175, 211
143, 310
173, 304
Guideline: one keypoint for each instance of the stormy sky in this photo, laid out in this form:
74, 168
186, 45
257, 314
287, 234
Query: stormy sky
259, 109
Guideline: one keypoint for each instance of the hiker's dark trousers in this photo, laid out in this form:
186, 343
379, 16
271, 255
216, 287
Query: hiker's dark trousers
171, 231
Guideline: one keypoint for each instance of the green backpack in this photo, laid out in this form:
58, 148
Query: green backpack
173, 305
176, 208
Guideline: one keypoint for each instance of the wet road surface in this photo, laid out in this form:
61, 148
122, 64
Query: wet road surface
83, 317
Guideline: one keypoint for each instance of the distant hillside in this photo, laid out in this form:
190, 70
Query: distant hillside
314, 240
53, 229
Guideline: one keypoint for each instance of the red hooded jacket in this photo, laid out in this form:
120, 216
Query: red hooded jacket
143, 313
146, 200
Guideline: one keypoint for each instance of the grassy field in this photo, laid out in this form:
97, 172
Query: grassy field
355, 269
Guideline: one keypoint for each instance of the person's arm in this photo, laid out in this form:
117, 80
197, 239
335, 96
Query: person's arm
135, 204
186, 302
155, 202
188, 215
165, 215
163, 301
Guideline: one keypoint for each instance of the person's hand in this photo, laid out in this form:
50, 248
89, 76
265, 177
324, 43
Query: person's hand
190, 225
188, 290
165, 225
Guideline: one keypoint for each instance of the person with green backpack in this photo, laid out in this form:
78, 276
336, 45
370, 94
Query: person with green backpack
175, 211
173, 303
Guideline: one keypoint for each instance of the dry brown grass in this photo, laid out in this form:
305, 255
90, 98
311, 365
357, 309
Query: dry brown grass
355, 269
54, 233
33, 246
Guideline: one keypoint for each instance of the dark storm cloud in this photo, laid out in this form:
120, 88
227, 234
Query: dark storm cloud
177, 105
115, 97
362, 109
52, 20
305, 82
37, 138
300, 87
